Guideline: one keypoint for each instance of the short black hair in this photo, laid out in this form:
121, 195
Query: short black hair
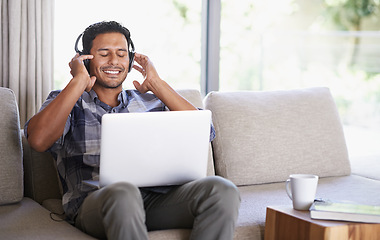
102, 27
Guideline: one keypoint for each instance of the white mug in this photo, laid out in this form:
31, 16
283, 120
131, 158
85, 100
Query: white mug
301, 189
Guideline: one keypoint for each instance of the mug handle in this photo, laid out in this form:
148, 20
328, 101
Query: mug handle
287, 187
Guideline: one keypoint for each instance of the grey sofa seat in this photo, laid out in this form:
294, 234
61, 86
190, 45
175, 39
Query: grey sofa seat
29, 220
367, 166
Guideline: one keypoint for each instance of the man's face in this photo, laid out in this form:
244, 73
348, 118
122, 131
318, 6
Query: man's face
111, 61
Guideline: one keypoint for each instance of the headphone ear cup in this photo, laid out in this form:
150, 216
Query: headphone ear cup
86, 63
131, 60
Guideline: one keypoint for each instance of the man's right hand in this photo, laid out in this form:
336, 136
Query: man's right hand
48, 125
79, 71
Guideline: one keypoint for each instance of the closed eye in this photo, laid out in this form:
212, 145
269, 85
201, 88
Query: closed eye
120, 53
103, 53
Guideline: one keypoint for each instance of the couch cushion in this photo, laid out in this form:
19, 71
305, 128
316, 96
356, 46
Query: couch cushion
366, 166
170, 234
11, 173
193, 96
263, 137
29, 220
40, 174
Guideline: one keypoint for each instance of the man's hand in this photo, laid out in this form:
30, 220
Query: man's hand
79, 71
147, 69
48, 125
160, 88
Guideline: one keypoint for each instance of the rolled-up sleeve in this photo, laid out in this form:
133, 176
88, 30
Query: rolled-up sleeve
49, 99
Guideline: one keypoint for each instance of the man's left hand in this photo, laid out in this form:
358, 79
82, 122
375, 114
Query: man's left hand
147, 69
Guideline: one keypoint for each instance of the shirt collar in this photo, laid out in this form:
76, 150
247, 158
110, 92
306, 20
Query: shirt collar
93, 94
122, 97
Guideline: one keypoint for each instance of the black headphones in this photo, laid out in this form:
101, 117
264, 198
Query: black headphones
131, 53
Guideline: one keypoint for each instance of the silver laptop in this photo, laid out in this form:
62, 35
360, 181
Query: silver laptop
154, 148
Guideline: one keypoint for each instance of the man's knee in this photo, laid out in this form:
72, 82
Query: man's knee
227, 193
222, 185
122, 195
217, 208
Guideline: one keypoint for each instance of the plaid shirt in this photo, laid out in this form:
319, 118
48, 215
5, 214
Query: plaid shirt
77, 151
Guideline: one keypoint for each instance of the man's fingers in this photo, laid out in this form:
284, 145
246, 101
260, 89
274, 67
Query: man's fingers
84, 57
141, 59
80, 58
77, 64
139, 87
138, 68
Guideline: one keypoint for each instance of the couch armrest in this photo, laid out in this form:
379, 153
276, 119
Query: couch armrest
11, 183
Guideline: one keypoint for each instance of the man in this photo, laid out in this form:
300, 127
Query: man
68, 126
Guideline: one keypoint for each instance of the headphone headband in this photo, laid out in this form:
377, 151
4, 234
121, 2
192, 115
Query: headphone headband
76, 44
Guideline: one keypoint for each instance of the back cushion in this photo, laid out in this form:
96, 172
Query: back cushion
11, 173
41, 180
263, 137
193, 96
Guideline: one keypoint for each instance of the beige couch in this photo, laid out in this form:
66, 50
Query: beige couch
262, 137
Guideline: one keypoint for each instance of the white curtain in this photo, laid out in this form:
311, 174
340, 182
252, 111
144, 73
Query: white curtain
26, 52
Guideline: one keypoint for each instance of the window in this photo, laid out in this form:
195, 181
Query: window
286, 44
169, 32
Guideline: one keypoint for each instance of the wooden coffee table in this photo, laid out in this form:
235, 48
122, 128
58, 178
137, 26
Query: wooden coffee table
283, 222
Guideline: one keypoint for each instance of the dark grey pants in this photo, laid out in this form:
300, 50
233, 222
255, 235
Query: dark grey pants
209, 206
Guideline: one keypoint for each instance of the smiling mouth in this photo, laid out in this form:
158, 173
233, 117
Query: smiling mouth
112, 72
